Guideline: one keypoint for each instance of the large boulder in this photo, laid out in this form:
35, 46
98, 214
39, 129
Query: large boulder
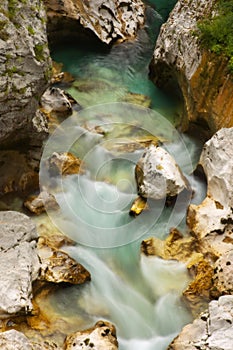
158, 175
108, 20
24, 69
213, 330
19, 263
203, 78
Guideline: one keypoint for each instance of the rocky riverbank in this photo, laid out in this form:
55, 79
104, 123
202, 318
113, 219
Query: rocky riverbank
180, 62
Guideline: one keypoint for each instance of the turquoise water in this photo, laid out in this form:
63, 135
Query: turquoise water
140, 295
104, 76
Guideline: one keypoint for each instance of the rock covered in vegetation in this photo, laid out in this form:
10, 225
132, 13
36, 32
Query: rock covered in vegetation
24, 67
213, 330
158, 175
108, 20
102, 337
202, 77
19, 263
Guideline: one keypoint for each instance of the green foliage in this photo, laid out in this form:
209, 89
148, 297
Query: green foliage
217, 32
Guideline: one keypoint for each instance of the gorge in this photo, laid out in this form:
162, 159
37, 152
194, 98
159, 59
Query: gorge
120, 112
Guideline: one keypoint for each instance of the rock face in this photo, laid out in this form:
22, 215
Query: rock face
213, 330
102, 337
24, 68
214, 214
19, 263
157, 174
202, 77
108, 20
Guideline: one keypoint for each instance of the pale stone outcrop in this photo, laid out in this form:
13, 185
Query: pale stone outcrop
24, 68
102, 337
213, 330
202, 77
158, 175
14, 340
108, 20
223, 274
214, 215
19, 263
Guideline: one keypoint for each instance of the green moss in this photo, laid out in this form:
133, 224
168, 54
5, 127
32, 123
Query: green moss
39, 52
30, 30
2, 24
217, 33
12, 7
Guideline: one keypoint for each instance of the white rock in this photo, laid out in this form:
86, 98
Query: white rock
211, 331
158, 175
214, 214
19, 262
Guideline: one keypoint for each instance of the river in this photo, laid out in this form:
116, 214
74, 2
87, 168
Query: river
140, 295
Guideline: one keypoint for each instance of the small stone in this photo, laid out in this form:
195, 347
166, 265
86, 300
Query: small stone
138, 206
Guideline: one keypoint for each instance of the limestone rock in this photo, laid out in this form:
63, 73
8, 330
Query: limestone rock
213, 330
214, 214
175, 246
55, 100
223, 275
203, 78
19, 262
57, 266
38, 204
138, 206
24, 66
64, 164
14, 340
108, 20
102, 337
158, 175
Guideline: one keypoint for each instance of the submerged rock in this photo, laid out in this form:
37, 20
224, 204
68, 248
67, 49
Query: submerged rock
102, 337
203, 78
38, 204
19, 263
158, 176
213, 330
65, 163
108, 20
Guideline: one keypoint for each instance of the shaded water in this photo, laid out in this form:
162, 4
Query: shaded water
140, 295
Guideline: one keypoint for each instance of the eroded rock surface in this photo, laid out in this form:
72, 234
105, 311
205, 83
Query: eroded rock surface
213, 330
14, 340
158, 175
57, 266
102, 337
24, 67
108, 20
212, 219
203, 78
19, 263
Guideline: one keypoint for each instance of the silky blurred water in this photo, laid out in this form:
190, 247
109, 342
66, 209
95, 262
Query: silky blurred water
140, 295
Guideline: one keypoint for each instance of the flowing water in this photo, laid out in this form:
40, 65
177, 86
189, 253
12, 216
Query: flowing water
140, 295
